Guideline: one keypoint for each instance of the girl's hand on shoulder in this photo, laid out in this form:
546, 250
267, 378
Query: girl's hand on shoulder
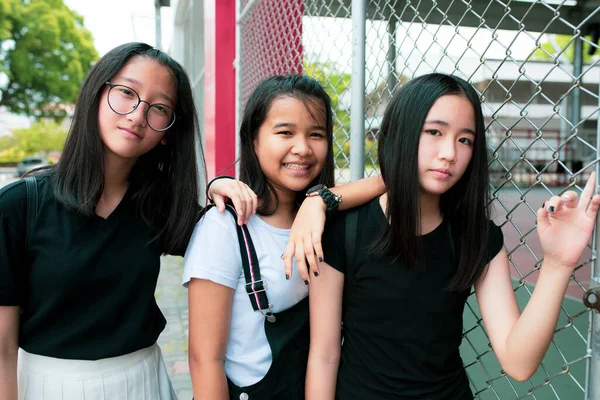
305, 239
565, 224
243, 198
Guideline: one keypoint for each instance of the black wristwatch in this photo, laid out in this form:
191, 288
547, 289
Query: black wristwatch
331, 200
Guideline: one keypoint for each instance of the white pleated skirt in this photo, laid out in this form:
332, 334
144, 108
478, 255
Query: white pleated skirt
140, 375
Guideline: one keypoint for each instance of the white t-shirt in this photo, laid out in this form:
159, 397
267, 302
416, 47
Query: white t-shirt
214, 254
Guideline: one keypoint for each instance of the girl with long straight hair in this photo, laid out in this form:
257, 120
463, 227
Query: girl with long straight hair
78, 269
401, 289
248, 320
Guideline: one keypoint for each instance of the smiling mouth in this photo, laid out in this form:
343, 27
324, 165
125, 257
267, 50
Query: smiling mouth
296, 167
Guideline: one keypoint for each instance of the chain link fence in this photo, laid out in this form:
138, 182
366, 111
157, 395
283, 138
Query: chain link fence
536, 67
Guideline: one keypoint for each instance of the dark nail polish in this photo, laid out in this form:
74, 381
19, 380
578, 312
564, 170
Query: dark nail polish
544, 205
287, 276
316, 273
306, 282
320, 259
551, 209
282, 255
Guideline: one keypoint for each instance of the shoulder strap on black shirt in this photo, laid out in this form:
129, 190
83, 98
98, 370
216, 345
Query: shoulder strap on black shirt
349, 246
32, 207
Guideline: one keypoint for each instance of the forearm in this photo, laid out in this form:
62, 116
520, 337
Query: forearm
8, 376
359, 192
530, 337
208, 380
321, 376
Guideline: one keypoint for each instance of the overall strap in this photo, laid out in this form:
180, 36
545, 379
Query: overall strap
255, 286
32, 207
349, 246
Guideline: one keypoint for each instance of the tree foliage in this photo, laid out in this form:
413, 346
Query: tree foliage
335, 83
45, 53
565, 47
40, 139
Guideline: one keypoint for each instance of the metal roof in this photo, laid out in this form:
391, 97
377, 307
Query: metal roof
534, 16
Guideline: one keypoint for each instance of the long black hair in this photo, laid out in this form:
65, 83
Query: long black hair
163, 182
463, 206
302, 87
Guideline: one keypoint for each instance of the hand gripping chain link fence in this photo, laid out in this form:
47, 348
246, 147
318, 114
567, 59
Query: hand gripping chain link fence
536, 66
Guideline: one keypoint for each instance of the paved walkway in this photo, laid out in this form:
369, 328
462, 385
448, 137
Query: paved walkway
172, 300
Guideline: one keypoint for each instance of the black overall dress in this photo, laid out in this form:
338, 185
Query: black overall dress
287, 333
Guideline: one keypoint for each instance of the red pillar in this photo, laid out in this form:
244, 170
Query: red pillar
281, 53
219, 84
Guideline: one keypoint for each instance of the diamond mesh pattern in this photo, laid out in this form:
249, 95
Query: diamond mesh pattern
540, 105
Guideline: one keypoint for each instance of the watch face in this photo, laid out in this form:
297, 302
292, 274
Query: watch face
315, 189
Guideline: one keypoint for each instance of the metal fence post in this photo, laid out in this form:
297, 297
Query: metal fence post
593, 378
357, 109
576, 95
392, 81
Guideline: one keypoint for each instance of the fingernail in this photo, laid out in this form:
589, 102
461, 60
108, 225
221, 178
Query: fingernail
565, 197
282, 255
287, 277
320, 259
544, 205
306, 283
316, 273
551, 209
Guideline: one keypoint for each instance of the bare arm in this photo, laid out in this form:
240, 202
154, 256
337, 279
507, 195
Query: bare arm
210, 314
305, 237
520, 341
359, 192
9, 347
325, 334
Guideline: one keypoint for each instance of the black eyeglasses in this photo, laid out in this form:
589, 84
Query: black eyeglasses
124, 100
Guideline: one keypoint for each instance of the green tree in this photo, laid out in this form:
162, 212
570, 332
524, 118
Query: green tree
41, 138
565, 42
7, 141
45, 53
335, 84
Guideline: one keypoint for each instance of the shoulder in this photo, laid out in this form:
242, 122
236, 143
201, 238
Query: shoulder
496, 239
214, 221
13, 195
213, 251
354, 216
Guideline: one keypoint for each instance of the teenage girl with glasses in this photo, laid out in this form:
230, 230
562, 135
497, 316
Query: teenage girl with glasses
77, 286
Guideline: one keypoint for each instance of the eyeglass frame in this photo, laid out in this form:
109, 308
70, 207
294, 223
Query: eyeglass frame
112, 85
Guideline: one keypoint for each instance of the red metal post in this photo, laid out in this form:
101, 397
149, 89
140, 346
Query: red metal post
219, 78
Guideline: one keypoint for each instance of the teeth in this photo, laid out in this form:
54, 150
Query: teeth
296, 166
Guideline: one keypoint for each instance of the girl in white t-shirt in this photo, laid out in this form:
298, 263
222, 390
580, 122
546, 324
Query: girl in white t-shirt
236, 351
249, 328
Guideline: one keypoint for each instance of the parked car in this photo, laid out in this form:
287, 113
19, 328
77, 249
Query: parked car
30, 163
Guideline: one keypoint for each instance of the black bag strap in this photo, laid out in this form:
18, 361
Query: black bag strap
32, 207
349, 246
255, 286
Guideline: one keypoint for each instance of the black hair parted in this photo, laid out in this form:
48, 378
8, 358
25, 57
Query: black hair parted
464, 206
310, 92
163, 182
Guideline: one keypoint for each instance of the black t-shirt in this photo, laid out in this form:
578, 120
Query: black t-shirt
85, 285
402, 329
